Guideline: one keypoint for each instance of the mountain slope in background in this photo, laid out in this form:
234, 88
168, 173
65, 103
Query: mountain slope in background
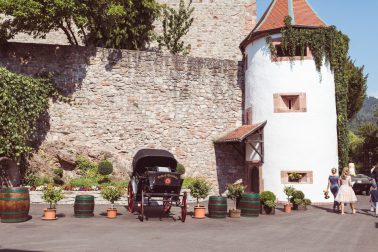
366, 114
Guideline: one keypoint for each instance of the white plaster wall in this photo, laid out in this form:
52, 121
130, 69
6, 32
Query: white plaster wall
302, 141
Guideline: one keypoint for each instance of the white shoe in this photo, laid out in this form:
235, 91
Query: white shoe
372, 209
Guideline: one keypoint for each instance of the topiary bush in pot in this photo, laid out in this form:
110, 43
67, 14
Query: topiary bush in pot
288, 190
199, 189
234, 192
52, 195
268, 202
112, 194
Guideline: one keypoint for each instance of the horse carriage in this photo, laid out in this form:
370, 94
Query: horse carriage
154, 178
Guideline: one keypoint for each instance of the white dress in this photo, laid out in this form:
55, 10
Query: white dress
346, 193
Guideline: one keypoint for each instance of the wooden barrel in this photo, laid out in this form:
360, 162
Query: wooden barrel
14, 204
84, 206
250, 205
217, 207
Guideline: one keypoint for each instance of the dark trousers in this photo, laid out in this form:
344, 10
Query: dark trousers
334, 191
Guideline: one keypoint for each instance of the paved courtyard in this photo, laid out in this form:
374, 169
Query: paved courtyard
317, 229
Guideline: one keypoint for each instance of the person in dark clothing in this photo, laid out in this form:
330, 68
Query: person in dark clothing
374, 199
374, 173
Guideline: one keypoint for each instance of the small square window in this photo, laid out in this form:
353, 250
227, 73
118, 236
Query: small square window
290, 102
296, 177
281, 52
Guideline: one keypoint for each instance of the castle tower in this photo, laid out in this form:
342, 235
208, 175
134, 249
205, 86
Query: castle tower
297, 103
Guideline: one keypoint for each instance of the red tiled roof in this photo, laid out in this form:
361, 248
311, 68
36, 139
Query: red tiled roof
300, 11
240, 133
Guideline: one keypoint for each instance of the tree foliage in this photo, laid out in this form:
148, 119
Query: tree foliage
176, 24
124, 24
356, 88
22, 100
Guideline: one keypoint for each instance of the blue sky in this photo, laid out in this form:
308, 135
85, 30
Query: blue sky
358, 20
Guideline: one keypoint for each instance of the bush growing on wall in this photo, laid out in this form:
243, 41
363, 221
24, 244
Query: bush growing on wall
22, 101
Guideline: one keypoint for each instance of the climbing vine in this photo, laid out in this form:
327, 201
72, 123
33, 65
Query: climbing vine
22, 101
329, 45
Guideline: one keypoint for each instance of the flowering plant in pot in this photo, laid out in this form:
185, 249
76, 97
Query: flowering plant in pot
112, 194
268, 202
199, 189
234, 191
288, 190
52, 195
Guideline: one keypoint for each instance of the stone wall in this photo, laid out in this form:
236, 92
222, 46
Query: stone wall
126, 100
218, 28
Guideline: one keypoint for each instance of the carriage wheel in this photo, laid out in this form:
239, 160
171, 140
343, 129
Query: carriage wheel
130, 199
167, 204
183, 207
141, 215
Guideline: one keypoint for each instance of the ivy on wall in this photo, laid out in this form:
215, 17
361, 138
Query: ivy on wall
22, 101
332, 45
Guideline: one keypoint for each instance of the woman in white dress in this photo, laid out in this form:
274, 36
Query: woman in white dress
346, 193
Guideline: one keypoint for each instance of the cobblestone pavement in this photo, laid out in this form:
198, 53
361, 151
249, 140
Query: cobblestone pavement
317, 229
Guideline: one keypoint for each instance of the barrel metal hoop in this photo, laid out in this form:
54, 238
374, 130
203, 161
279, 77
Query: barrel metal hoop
14, 199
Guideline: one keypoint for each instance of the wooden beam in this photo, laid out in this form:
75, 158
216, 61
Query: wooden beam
254, 148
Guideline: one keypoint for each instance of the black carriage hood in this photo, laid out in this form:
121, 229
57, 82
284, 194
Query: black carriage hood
153, 157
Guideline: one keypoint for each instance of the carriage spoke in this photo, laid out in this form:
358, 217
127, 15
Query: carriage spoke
183, 207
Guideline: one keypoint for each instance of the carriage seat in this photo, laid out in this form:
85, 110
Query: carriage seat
158, 169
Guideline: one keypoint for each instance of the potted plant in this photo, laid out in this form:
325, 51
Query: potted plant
295, 177
299, 201
268, 202
234, 192
52, 195
112, 194
288, 190
199, 189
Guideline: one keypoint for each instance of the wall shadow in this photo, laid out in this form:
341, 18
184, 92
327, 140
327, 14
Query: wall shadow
229, 164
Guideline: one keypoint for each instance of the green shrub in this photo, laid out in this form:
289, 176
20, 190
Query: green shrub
52, 195
234, 191
105, 167
120, 183
297, 194
307, 202
199, 189
34, 180
112, 194
82, 181
180, 168
58, 172
187, 182
58, 180
83, 164
268, 198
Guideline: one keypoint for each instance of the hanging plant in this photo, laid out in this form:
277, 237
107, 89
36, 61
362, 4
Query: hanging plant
329, 45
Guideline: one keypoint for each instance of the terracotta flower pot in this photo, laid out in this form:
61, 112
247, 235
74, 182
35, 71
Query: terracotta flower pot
199, 212
234, 213
111, 213
50, 214
287, 208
